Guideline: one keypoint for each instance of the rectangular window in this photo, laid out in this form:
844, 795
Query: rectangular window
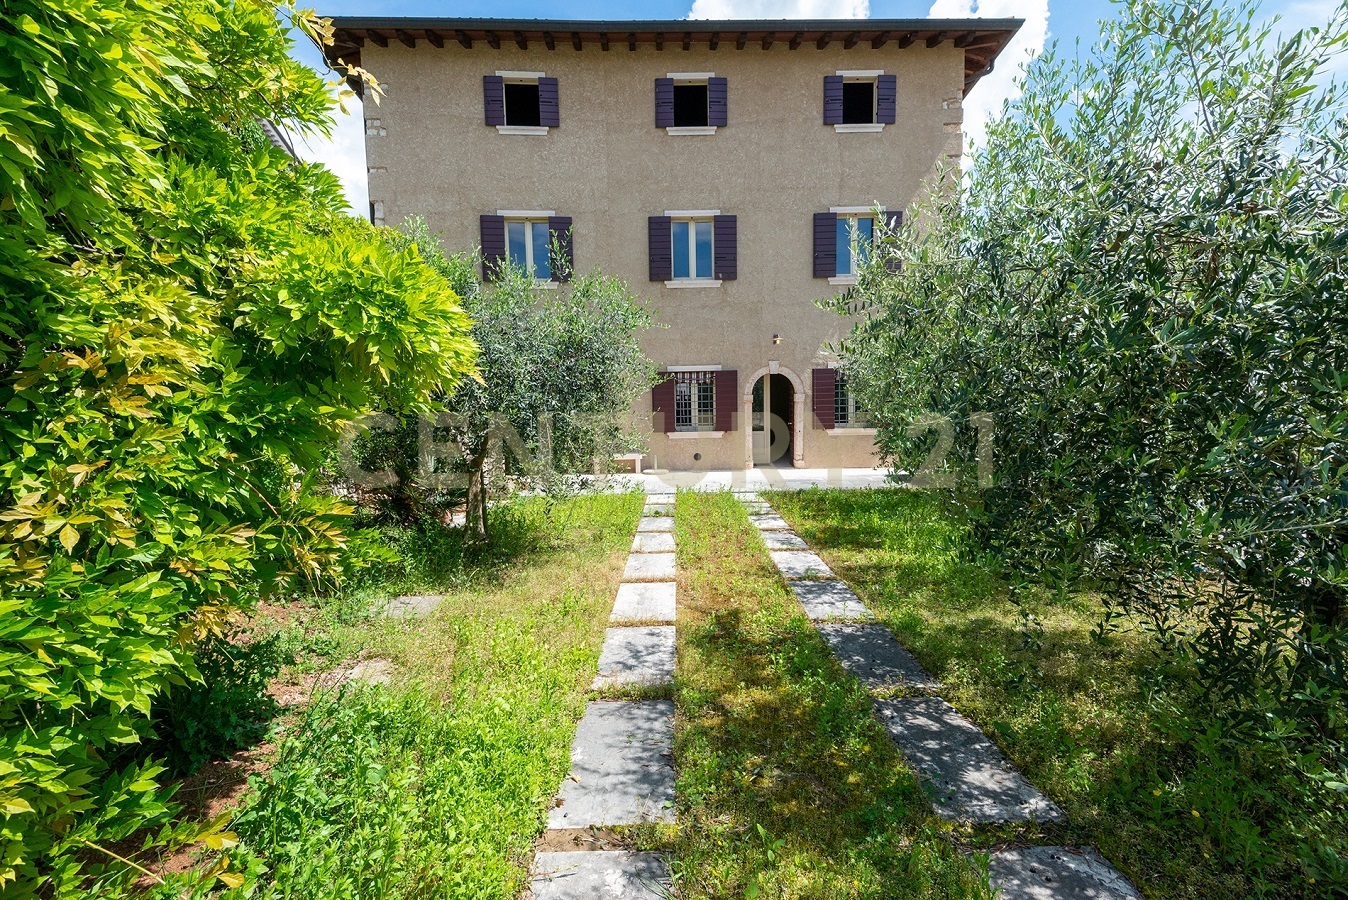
527, 243
690, 105
854, 237
858, 102
846, 413
521, 103
694, 401
692, 248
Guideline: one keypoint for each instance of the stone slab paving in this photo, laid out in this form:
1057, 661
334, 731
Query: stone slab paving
658, 509
600, 875
829, 601
769, 522
640, 656
413, 607
622, 771
656, 523
645, 601
800, 564
653, 542
649, 567
783, 540
871, 653
967, 776
1058, 873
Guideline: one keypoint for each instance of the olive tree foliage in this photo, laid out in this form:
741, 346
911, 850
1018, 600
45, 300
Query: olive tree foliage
1142, 284
558, 372
187, 320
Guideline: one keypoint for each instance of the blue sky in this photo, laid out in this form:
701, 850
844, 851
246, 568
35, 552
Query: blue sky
1064, 21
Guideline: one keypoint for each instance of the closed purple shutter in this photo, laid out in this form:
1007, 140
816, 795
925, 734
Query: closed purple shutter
493, 99
726, 385
893, 220
886, 98
493, 245
662, 405
717, 100
822, 383
559, 233
833, 100
825, 245
660, 247
549, 112
725, 244
664, 103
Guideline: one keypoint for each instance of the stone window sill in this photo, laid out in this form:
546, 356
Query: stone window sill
839, 432
677, 130
865, 128
693, 283
696, 434
842, 280
523, 129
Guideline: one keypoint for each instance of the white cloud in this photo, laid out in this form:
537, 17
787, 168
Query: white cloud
985, 100
343, 153
780, 9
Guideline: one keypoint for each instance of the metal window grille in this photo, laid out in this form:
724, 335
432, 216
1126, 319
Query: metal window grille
694, 401
840, 417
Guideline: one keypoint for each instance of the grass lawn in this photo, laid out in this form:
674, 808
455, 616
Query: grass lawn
1138, 773
788, 787
437, 785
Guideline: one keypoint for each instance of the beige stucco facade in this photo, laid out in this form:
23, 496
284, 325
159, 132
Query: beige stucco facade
609, 168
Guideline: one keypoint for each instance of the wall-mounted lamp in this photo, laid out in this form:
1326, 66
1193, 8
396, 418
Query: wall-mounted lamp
776, 339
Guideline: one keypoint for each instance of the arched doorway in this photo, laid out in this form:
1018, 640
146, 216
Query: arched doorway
775, 402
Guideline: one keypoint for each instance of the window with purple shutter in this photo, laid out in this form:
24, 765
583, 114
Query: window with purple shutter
727, 398
664, 103
660, 247
725, 246
492, 231
822, 384
662, 405
549, 110
833, 99
825, 245
717, 100
564, 260
493, 99
886, 98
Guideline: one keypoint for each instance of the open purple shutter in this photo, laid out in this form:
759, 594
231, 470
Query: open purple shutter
662, 404
886, 98
661, 248
559, 233
823, 381
725, 243
833, 100
893, 220
717, 99
664, 103
493, 99
493, 245
549, 112
726, 385
825, 245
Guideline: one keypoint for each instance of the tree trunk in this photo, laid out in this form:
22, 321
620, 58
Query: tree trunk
475, 525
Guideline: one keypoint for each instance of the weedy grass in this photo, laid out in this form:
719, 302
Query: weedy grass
787, 785
1097, 722
437, 785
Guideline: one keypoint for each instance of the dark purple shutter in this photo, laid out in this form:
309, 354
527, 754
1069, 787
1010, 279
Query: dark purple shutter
725, 244
823, 381
661, 248
662, 404
493, 99
493, 245
559, 233
717, 99
833, 104
725, 383
825, 245
549, 113
886, 98
893, 220
664, 103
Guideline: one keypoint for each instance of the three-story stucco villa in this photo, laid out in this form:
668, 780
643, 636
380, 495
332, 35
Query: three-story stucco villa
729, 170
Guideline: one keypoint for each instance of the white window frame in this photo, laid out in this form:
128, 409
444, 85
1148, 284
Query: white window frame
852, 213
528, 217
860, 75
692, 216
701, 403
686, 78
850, 426
511, 77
